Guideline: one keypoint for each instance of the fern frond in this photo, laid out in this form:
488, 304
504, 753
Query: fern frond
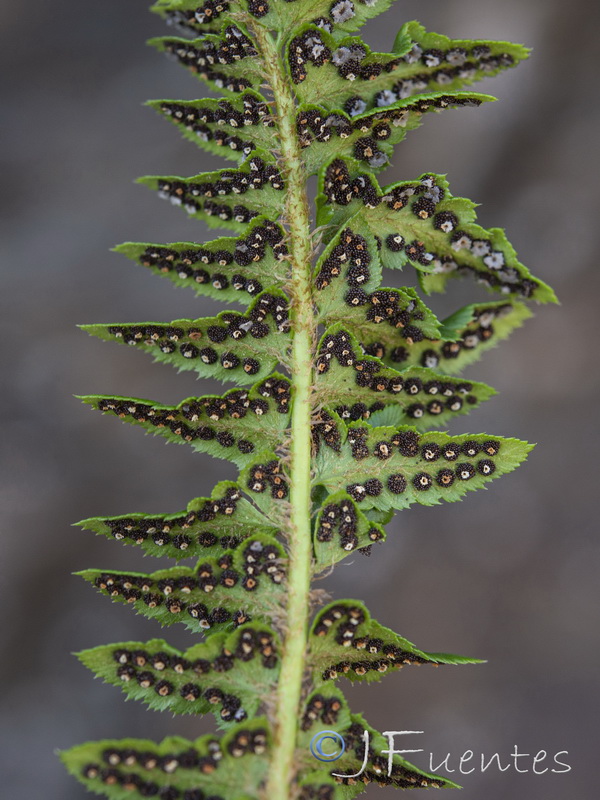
229, 129
231, 766
233, 269
221, 593
231, 426
232, 346
230, 674
209, 526
345, 641
420, 223
394, 468
356, 79
339, 380
370, 391
226, 61
227, 198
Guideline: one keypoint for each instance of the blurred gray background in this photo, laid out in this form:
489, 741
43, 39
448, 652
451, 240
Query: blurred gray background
509, 575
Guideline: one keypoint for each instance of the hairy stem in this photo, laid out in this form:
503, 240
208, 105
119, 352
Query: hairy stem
300, 548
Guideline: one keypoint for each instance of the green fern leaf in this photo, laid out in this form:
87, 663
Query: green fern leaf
231, 766
464, 337
422, 224
383, 320
340, 529
208, 527
337, 17
369, 137
364, 761
266, 484
346, 642
233, 269
229, 675
394, 468
190, 17
226, 62
368, 390
231, 426
434, 61
227, 198
357, 80
229, 129
231, 346
218, 594
326, 711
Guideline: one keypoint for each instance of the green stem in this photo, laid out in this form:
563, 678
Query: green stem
282, 770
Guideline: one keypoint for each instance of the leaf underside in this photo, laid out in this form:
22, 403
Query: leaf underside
385, 377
